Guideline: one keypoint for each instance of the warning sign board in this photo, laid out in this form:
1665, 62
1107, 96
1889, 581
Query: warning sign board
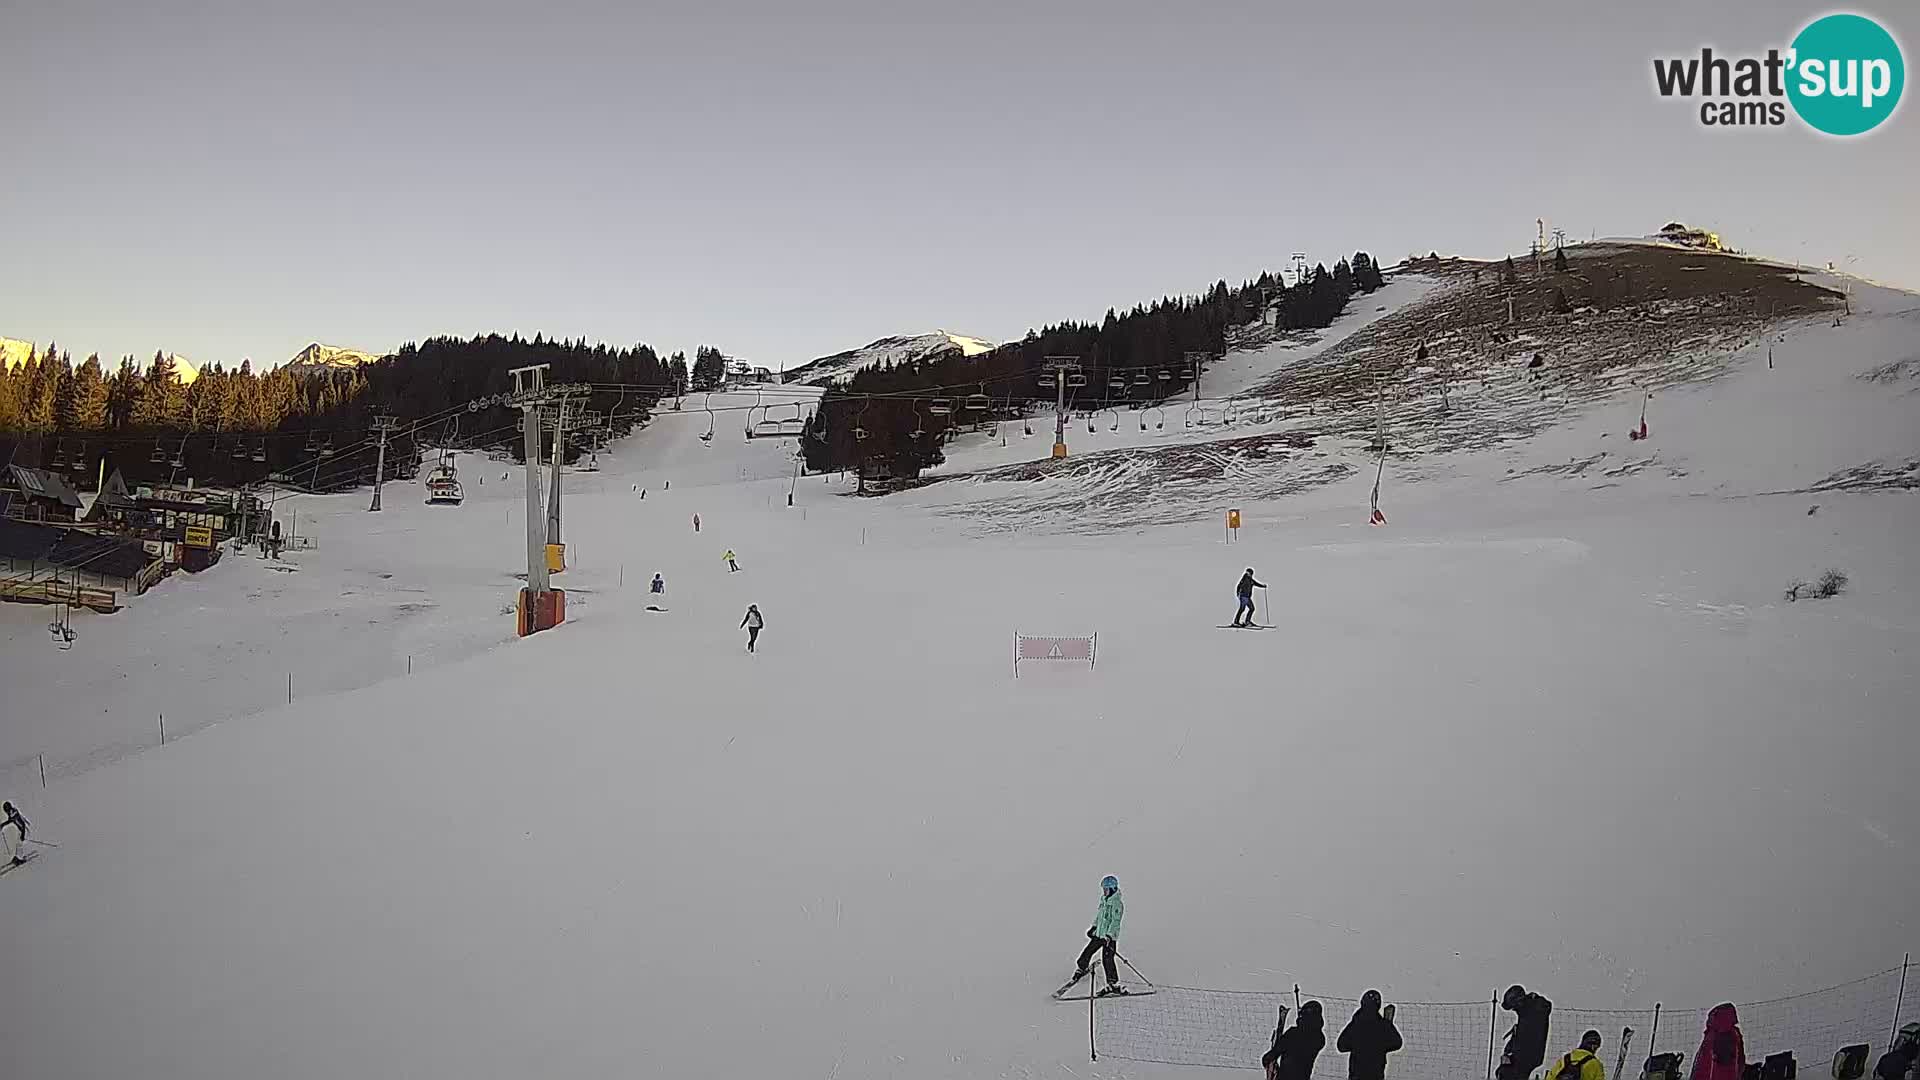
199, 536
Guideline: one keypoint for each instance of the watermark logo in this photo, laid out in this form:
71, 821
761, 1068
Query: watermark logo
1842, 75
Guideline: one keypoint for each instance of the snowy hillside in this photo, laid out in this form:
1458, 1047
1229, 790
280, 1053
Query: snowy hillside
1555, 723
317, 358
14, 352
841, 366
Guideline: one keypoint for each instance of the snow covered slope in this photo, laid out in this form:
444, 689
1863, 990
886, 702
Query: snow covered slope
841, 366
628, 847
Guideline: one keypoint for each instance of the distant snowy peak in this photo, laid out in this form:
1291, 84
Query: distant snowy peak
840, 367
319, 359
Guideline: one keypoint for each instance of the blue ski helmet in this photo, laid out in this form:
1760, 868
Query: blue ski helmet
1109, 882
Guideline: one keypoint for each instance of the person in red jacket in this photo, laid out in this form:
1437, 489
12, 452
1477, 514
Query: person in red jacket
1722, 1055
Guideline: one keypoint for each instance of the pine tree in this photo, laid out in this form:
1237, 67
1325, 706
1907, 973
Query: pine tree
11, 385
90, 395
709, 368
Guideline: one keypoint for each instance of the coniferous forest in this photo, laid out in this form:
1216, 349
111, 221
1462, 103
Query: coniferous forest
312, 428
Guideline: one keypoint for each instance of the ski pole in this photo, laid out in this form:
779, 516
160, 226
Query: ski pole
49, 843
1131, 968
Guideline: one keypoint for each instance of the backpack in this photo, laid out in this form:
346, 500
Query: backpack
1662, 1067
1779, 1067
1571, 1069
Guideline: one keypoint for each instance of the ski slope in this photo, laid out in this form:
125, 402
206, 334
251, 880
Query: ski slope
1546, 727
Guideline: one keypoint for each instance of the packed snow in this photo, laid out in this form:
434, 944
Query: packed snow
1546, 726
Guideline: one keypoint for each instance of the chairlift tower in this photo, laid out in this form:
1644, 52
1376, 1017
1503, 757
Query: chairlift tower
383, 426
1060, 366
556, 423
541, 606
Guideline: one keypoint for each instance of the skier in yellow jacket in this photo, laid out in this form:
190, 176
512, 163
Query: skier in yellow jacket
1581, 1063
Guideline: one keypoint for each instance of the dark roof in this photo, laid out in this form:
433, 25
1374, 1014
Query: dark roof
25, 540
40, 484
73, 549
107, 555
114, 494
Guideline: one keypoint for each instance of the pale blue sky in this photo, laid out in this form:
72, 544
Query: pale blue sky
790, 179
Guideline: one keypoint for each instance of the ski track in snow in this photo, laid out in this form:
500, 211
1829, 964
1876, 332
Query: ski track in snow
627, 847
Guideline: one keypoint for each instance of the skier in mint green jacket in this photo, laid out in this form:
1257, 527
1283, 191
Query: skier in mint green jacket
1104, 935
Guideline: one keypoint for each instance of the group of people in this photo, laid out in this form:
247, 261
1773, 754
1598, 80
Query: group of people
1370, 1035
753, 622
1366, 1040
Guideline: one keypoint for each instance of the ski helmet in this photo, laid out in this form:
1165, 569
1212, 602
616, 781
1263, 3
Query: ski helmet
1110, 882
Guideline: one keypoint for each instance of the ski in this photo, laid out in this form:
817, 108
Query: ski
11, 866
1250, 626
1626, 1040
1103, 995
1068, 985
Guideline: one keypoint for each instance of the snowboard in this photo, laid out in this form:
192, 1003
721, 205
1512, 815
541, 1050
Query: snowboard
10, 866
1123, 992
655, 607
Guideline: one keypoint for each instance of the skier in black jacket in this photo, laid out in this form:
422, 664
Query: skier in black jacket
1527, 1042
1368, 1038
1294, 1050
1244, 593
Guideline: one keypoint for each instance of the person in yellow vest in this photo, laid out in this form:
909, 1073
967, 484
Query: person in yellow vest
1582, 1063
732, 567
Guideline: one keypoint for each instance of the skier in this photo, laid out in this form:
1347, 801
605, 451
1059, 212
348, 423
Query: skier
1294, 1050
696, 523
1103, 936
1582, 1062
1244, 591
1527, 1040
657, 593
1898, 1062
14, 838
1368, 1038
1722, 1054
753, 622
732, 567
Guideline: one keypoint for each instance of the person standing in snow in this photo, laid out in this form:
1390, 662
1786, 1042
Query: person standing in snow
1103, 936
1527, 1039
696, 523
1244, 591
1293, 1052
753, 622
1723, 1053
732, 567
1582, 1062
13, 833
1368, 1038
1898, 1062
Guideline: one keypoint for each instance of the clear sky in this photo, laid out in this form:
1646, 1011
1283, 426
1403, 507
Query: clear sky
787, 179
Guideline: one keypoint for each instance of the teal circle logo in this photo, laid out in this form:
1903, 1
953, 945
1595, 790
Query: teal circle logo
1846, 74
